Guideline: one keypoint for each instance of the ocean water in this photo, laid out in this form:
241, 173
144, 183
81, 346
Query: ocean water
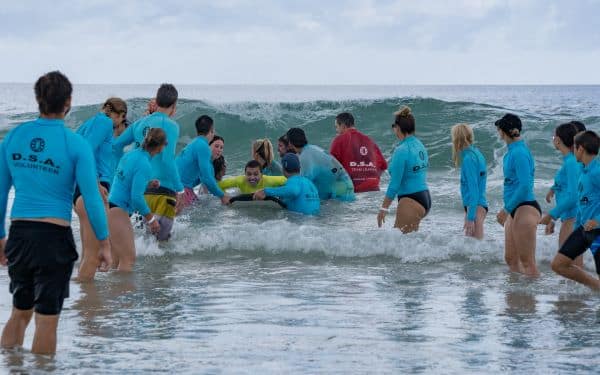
257, 289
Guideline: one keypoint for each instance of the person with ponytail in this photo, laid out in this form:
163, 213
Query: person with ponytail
98, 132
473, 179
262, 152
564, 189
132, 177
43, 160
521, 213
408, 169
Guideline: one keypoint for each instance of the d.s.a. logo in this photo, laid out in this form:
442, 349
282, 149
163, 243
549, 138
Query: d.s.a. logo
37, 144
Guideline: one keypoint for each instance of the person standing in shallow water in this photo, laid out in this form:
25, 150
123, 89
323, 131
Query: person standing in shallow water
564, 189
408, 169
521, 213
473, 179
587, 223
358, 154
43, 160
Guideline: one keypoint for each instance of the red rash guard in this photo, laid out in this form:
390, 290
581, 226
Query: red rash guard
361, 158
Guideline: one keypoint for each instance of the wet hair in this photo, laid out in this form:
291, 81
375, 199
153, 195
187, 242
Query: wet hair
216, 138
579, 126
264, 149
166, 95
155, 137
252, 164
462, 137
404, 120
284, 139
114, 105
204, 124
296, 137
52, 91
589, 140
510, 125
346, 119
566, 133
219, 166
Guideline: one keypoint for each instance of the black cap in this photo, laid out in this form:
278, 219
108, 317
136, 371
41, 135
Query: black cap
510, 124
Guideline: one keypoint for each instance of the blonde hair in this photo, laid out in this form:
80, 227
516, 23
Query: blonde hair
114, 105
462, 137
264, 149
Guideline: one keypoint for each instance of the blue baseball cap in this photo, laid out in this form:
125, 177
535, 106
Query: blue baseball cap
290, 162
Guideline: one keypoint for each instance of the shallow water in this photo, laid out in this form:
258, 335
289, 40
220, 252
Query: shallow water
256, 289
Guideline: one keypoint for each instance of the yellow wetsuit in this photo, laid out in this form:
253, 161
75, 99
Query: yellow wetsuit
245, 188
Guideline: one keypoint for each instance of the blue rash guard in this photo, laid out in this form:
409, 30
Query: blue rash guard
131, 179
519, 169
274, 169
408, 168
473, 179
164, 168
299, 194
588, 192
195, 166
565, 189
330, 178
44, 160
98, 132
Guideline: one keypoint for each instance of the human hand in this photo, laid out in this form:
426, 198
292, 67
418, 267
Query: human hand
381, 218
549, 196
226, 200
590, 225
501, 217
469, 228
105, 256
154, 184
259, 195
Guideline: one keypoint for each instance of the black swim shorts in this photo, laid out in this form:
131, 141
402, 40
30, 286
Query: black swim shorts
422, 197
40, 263
77, 193
578, 242
534, 204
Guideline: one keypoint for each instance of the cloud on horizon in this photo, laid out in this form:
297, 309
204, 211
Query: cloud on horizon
312, 42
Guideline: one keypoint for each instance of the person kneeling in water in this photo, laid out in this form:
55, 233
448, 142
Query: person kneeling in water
299, 193
127, 195
252, 180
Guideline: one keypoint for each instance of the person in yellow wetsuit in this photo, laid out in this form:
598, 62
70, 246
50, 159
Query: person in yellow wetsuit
252, 180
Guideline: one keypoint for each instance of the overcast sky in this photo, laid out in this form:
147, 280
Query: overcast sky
303, 42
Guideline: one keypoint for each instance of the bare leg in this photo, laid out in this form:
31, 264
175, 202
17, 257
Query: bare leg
524, 229
511, 255
479, 219
566, 228
14, 330
121, 238
409, 215
44, 339
564, 266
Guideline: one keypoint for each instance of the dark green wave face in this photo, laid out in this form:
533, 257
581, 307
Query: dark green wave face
241, 123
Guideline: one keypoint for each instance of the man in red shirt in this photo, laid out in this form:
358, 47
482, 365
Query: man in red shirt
359, 155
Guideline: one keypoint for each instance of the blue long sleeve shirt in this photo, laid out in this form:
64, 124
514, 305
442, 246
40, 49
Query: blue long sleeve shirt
44, 160
195, 166
473, 180
588, 193
565, 188
164, 168
299, 194
519, 170
131, 179
326, 173
98, 131
408, 168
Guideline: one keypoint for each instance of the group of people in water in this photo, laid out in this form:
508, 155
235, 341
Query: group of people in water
106, 171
